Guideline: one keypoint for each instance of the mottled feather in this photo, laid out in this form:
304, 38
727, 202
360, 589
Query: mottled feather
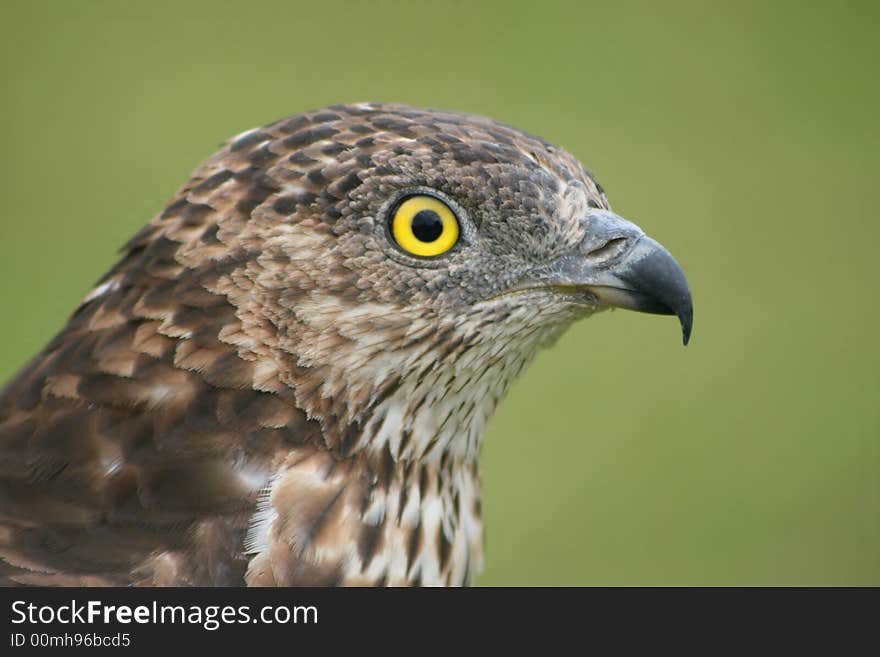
264, 391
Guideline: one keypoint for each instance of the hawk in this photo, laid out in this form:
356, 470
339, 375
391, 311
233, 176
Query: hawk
286, 377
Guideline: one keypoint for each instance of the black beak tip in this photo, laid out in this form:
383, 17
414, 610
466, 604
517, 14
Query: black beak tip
679, 305
678, 302
686, 317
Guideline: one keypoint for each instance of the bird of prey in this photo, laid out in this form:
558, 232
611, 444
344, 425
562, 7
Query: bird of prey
286, 377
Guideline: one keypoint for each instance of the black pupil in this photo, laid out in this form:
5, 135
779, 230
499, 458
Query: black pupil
427, 225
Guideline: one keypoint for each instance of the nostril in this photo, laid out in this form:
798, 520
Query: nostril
609, 249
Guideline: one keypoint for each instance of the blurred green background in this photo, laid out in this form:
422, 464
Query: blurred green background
744, 136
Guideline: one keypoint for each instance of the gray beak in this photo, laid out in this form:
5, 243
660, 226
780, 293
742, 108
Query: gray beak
622, 267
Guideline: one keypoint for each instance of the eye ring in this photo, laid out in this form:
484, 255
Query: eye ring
422, 225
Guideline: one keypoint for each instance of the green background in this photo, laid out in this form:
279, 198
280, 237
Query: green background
744, 138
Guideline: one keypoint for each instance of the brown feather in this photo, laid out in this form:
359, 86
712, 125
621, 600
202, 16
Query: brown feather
244, 397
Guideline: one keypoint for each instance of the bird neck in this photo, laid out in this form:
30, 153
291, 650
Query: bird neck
367, 520
390, 492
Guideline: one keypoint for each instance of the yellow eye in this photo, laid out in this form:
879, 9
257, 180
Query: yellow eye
424, 226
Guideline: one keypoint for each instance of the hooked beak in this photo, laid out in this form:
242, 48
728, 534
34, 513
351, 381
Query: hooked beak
622, 267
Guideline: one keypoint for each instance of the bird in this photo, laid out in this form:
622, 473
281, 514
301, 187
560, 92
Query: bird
286, 377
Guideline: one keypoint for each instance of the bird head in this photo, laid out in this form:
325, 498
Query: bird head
286, 377
394, 269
